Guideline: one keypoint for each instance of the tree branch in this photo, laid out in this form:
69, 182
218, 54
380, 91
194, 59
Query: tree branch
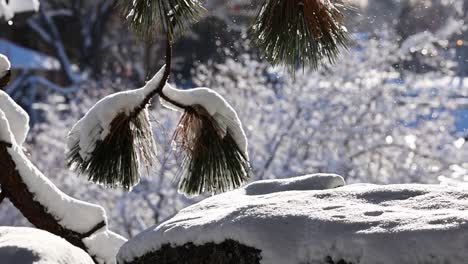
18, 193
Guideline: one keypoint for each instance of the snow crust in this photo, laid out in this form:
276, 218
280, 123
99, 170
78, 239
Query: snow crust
17, 117
215, 105
104, 245
21, 245
360, 223
95, 125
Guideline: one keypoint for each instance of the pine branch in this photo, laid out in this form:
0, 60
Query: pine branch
300, 32
18, 193
152, 17
211, 160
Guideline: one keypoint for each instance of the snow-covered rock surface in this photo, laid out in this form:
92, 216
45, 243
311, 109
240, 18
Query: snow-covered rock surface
95, 125
359, 223
21, 245
215, 105
18, 118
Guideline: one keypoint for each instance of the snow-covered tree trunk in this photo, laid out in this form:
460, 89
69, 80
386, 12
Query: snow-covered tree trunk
15, 190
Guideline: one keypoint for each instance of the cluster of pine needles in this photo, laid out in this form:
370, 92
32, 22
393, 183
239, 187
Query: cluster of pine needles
116, 161
211, 159
300, 32
150, 17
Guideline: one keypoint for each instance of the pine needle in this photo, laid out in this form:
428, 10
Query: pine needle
211, 159
117, 160
150, 17
300, 32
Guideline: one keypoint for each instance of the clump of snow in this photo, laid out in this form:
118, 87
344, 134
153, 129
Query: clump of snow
5, 131
302, 183
19, 6
5, 11
360, 223
215, 105
5, 64
21, 245
104, 245
17, 117
95, 125
8, 10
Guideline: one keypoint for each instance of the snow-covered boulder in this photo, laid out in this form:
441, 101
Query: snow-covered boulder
294, 221
21, 245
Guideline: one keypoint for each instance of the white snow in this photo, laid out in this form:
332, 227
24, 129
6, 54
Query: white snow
5, 131
19, 6
306, 182
215, 105
5, 64
95, 125
104, 245
18, 118
21, 245
360, 223
8, 10
5, 11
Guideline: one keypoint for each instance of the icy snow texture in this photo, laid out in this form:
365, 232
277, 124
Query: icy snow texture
216, 106
95, 125
360, 223
17, 117
71, 213
104, 245
20, 245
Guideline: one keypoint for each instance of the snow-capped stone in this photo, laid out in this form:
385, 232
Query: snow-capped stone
17, 117
215, 105
95, 125
21, 245
359, 223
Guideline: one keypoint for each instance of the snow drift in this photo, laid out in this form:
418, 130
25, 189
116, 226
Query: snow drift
21, 245
296, 221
